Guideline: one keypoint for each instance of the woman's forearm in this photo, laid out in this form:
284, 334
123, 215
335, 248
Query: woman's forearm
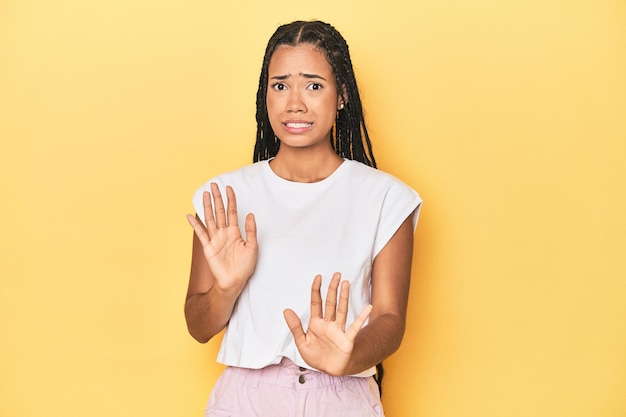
376, 342
208, 313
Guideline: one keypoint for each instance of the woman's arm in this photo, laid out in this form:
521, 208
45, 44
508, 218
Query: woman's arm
327, 345
221, 264
391, 276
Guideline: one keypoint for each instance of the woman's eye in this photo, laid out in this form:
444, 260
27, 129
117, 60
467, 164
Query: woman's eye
315, 86
279, 86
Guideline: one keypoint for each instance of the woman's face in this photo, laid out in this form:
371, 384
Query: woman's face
302, 99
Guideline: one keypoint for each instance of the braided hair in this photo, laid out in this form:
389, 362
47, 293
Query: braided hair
350, 139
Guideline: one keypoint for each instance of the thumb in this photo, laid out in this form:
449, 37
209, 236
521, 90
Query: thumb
295, 325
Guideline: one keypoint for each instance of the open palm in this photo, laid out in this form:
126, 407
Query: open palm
326, 345
231, 259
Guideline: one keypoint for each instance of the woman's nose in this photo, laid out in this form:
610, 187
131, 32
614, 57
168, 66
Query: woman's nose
295, 103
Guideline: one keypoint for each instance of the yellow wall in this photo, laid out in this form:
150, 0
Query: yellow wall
509, 117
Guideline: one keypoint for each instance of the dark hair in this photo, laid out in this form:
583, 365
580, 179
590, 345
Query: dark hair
351, 139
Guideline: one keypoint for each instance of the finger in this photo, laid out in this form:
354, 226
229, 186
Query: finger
331, 298
342, 309
295, 325
356, 327
232, 206
251, 231
198, 229
209, 219
316, 297
220, 212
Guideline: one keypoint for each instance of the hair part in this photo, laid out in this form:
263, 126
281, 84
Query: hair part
350, 138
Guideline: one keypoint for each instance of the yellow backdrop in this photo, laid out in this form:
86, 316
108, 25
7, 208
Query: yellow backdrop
509, 117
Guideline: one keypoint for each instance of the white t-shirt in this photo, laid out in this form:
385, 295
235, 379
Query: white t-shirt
338, 224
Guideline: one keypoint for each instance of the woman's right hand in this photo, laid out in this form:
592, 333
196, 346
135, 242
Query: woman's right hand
230, 258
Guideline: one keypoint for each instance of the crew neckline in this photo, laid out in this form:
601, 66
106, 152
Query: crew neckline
285, 183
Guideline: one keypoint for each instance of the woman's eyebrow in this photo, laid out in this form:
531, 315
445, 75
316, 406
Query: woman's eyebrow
312, 76
302, 74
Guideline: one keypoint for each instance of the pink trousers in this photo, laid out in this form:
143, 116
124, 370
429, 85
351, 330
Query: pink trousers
290, 391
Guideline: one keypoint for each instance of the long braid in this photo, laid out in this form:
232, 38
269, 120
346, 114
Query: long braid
355, 123
265, 139
350, 123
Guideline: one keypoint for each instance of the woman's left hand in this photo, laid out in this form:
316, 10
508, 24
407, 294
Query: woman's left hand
326, 345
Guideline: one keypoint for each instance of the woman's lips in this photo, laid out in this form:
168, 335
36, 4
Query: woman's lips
297, 127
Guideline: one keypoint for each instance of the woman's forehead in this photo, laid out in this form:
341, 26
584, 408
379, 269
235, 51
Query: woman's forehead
301, 58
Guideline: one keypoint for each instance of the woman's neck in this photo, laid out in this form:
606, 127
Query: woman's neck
302, 166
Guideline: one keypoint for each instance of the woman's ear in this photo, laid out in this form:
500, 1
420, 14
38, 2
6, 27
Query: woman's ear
342, 99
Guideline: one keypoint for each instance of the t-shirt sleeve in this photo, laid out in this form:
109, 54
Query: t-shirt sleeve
399, 202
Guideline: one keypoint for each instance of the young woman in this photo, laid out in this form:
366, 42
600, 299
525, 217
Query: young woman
308, 266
